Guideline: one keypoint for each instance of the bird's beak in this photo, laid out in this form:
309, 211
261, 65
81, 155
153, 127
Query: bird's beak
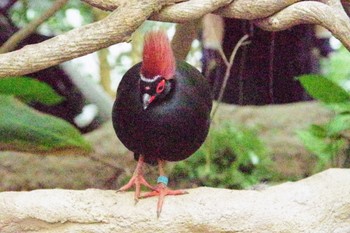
146, 100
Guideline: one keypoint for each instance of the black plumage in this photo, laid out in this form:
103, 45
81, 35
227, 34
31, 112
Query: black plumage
175, 126
161, 113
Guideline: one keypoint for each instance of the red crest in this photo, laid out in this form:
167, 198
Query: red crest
158, 57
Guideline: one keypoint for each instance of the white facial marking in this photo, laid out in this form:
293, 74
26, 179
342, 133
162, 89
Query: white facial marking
147, 80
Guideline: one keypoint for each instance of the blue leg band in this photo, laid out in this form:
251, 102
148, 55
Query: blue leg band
163, 179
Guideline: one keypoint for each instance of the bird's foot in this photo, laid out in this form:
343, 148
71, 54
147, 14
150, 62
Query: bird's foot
137, 180
162, 190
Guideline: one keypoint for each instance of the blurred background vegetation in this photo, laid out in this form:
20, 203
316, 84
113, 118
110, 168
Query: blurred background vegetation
48, 112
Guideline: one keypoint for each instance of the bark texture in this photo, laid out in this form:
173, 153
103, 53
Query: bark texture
115, 28
127, 16
317, 204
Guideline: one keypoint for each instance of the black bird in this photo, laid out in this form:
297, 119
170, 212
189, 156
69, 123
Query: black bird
161, 112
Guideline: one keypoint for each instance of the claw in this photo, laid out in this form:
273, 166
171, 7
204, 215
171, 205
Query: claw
136, 180
162, 190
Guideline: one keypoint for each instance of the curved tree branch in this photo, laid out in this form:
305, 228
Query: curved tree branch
107, 5
110, 5
247, 9
292, 13
193, 9
309, 12
317, 204
190, 10
115, 28
121, 23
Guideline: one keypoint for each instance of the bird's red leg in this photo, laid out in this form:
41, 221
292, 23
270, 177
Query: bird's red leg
161, 189
137, 179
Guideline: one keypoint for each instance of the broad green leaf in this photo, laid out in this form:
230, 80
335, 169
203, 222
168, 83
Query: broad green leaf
324, 89
339, 123
24, 129
29, 90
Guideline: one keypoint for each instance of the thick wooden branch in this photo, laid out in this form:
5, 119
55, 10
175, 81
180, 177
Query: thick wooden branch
110, 5
320, 204
248, 9
115, 28
330, 16
107, 5
119, 25
194, 9
275, 14
189, 10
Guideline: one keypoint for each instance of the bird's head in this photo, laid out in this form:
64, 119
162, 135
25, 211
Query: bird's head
157, 69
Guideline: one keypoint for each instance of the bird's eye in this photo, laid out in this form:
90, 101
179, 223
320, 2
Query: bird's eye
160, 86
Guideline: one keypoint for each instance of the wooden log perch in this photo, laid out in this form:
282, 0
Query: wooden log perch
319, 204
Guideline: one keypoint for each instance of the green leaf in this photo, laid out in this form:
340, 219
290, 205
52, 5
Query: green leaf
24, 129
338, 123
324, 89
29, 90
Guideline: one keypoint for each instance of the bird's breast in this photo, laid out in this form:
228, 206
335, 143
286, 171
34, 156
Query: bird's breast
171, 129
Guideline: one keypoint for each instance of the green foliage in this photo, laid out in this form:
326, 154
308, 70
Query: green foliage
327, 141
319, 141
24, 12
24, 129
29, 90
324, 89
21, 127
231, 157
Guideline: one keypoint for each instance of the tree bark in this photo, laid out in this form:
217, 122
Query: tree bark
115, 28
119, 25
317, 204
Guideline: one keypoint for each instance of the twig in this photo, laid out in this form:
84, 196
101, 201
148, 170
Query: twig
228, 64
16, 38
